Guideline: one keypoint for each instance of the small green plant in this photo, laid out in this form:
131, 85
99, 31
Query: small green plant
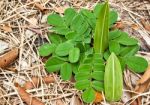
83, 44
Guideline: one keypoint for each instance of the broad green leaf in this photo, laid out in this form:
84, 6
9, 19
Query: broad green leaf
66, 71
83, 84
71, 35
97, 9
136, 64
69, 15
113, 80
61, 30
129, 50
75, 67
47, 49
99, 86
102, 30
114, 46
74, 55
63, 49
114, 34
113, 17
88, 95
54, 38
124, 39
55, 20
53, 64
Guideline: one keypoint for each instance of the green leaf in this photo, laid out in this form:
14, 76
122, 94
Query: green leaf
88, 95
69, 15
83, 84
114, 34
61, 30
124, 39
66, 71
114, 47
129, 50
113, 17
136, 64
63, 49
102, 30
74, 55
113, 80
98, 75
54, 38
53, 64
82, 76
47, 49
55, 20
75, 67
99, 86
106, 54
97, 9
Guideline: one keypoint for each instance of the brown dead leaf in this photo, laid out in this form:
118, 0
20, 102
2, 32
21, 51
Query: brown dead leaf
60, 9
36, 82
6, 28
99, 97
119, 25
135, 26
39, 6
145, 77
145, 24
8, 58
75, 101
26, 97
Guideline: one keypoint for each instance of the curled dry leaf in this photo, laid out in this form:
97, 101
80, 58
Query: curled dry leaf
145, 77
26, 97
8, 58
98, 98
36, 82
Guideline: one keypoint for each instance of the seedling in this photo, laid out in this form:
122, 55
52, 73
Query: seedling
72, 51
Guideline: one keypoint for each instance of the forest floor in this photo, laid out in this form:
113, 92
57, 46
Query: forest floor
23, 26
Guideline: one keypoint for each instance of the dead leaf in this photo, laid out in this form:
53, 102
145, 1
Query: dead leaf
6, 28
8, 58
39, 6
99, 97
145, 77
26, 97
75, 101
145, 24
36, 82
135, 26
60, 9
119, 25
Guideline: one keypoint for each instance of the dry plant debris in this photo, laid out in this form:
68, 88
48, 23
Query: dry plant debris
26, 97
8, 58
35, 82
16, 13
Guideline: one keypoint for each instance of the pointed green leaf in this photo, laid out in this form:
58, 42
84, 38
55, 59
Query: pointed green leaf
74, 55
53, 64
47, 49
88, 95
113, 80
66, 71
63, 49
102, 30
137, 64
97, 9
114, 34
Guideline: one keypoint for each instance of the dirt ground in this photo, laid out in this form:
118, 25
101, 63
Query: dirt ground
23, 26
